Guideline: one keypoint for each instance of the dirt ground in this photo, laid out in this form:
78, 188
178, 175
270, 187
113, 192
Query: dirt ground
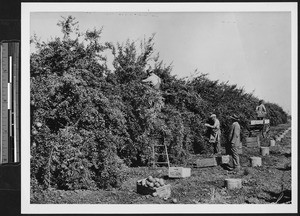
270, 183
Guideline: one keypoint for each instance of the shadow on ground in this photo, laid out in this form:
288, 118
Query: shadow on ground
281, 197
226, 167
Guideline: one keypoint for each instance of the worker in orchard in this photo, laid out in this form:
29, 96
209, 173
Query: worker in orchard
215, 133
153, 80
234, 141
261, 110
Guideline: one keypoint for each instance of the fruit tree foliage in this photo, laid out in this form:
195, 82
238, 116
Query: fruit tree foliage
90, 122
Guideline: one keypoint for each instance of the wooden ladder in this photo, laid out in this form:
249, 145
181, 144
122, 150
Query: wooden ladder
158, 151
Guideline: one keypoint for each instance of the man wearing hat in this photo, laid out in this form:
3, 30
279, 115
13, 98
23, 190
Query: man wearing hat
215, 133
234, 141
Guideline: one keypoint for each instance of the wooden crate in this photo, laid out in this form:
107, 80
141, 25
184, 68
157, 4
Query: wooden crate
179, 172
162, 192
260, 122
206, 162
233, 183
252, 141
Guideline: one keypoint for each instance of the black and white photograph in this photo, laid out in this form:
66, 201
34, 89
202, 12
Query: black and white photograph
156, 107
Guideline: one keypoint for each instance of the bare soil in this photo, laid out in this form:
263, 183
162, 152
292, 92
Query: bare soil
270, 183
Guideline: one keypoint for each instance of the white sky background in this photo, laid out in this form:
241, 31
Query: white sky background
250, 49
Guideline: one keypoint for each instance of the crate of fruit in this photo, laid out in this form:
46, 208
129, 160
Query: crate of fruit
179, 172
153, 186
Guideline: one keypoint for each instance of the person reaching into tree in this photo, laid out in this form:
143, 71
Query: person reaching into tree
153, 80
215, 133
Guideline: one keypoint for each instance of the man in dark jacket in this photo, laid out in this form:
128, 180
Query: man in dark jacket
234, 141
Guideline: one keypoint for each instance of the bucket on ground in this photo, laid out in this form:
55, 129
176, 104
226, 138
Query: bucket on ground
264, 151
255, 161
272, 142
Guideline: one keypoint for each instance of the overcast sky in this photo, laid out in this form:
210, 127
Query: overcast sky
250, 49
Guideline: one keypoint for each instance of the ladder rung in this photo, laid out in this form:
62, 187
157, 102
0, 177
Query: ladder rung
163, 154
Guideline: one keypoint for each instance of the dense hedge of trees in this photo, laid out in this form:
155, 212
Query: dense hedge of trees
90, 122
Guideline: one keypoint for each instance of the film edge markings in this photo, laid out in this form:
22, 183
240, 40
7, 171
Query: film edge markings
10, 102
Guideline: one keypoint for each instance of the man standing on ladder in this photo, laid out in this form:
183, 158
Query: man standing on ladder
155, 81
